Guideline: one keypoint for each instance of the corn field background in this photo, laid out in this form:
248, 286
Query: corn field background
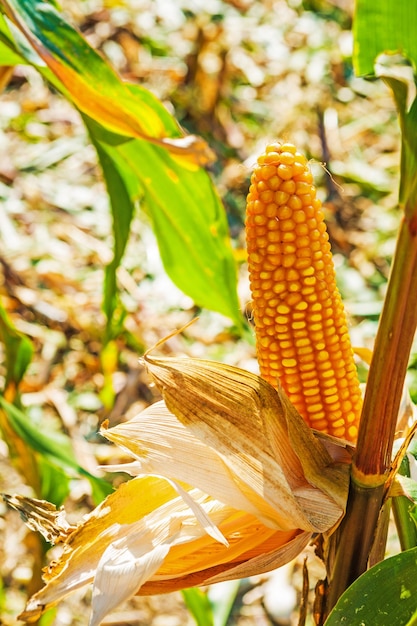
239, 74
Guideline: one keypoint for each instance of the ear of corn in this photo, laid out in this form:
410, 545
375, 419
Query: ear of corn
301, 330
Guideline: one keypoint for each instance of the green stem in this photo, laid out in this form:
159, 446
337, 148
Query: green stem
385, 383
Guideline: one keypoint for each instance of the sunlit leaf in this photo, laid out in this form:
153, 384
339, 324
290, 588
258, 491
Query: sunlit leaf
386, 28
186, 214
383, 27
385, 595
163, 172
92, 84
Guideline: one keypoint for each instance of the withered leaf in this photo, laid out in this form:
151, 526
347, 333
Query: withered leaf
41, 516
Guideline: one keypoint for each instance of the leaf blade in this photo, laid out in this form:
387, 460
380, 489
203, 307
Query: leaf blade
93, 86
387, 593
186, 214
383, 27
54, 446
199, 606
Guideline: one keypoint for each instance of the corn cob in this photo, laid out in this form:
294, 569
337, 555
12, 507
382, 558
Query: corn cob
301, 331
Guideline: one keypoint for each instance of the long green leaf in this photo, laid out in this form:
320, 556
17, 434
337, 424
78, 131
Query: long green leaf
122, 205
386, 595
91, 83
186, 213
54, 446
178, 195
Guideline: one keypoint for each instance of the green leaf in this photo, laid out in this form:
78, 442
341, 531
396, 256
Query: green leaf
222, 597
189, 222
92, 85
7, 56
408, 123
199, 606
178, 195
122, 204
390, 27
17, 348
383, 27
54, 446
55, 482
186, 213
385, 595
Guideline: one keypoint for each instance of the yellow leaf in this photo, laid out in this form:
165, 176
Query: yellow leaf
42, 516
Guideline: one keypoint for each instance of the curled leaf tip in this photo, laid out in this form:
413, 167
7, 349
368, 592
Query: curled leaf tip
191, 148
41, 516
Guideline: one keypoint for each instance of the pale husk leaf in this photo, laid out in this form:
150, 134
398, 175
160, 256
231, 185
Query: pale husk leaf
259, 435
162, 445
168, 544
84, 547
120, 574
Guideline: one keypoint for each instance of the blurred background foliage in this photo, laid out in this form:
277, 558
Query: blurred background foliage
238, 73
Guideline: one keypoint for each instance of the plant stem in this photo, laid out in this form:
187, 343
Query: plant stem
389, 363
354, 538
385, 383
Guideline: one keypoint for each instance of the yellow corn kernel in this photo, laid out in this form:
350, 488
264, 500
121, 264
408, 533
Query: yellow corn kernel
301, 331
